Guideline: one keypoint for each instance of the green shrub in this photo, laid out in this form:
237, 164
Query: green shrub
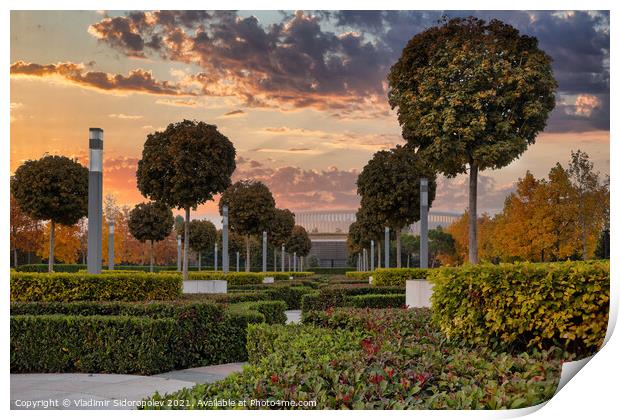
227, 298
230, 277
272, 310
398, 276
74, 268
367, 366
106, 344
45, 287
310, 302
337, 295
332, 270
358, 275
204, 333
522, 306
376, 301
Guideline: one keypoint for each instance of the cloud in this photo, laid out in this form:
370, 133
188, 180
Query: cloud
139, 81
190, 103
233, 114
452, 194
126, 117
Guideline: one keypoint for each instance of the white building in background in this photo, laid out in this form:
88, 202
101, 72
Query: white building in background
328, 230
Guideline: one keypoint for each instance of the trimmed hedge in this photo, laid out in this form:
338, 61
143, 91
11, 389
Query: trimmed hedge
377, 301
107, 344
398, 276
352, 359
74, 268
65, 287
333, 270
202, 334
272, 310
335, 296
524, 306
359, 275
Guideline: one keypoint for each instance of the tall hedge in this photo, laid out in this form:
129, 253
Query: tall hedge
66, 287
397, 276
526, 305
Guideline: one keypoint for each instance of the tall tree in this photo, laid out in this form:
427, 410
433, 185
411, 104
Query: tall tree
440, 243
26, 232
299, 242
150, 222
66, 243
471, 96
53, 188
185, 166
280, 230
590, 197
202, 236
390, 188
250, 210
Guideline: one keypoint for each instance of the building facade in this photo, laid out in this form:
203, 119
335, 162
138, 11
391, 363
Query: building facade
328, 232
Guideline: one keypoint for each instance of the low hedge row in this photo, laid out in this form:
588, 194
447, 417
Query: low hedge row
377, 301
338, 295
202, 334
74, 268
358, 275
45, 287
333, 270
351, 359
67, 343
272, 310
398, 276
524, 306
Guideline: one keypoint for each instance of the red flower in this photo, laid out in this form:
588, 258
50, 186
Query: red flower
390, 372
375, 378
274, 379
346, 399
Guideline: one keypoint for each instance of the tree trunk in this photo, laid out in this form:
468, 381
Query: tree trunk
301, 264
151, 255
186, 244
379, 254
398, 259
50, 261
275, 258
199, 261
15, 257
282, 262
247, 253
408, 256
585, 239
473, 212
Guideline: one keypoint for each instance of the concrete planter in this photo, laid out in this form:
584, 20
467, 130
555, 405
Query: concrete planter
205, 286
267, 280
370, 279
290, 277
418, 293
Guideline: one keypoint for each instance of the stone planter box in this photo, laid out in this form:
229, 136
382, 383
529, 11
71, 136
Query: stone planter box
205, 286
370, 279
267, 280
418, 293
290, 277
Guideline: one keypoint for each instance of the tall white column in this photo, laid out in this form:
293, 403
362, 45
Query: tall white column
264, 252
111, 245
387, 247
179, 251
372, 255
215, 257
423, 223
225, 262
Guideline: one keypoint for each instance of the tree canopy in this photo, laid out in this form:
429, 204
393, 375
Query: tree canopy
251, 210
186, 164
282, 226
53, 188
202, 235
471, 95
299, 242
150, 221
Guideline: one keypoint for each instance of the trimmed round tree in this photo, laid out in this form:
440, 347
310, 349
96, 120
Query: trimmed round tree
202, 236
280, 230
53, 188
250, 210
471, 96
390, 189
299, 242
150, 222
184, 166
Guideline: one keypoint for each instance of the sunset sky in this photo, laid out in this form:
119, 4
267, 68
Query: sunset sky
302, 95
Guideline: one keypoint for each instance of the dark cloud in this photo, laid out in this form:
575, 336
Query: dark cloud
235, 112
135, 81
299, 63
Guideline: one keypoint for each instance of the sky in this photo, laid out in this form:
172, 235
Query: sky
301, 94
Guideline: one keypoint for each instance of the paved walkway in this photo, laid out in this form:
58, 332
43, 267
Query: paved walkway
104, 391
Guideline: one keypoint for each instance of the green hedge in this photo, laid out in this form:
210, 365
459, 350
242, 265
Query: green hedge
45, 287
359, 275
340, 271
203, 333
522, 306
377, 301
272, 310
337, 295
352, 359
398, 276
107, 344
74, 268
